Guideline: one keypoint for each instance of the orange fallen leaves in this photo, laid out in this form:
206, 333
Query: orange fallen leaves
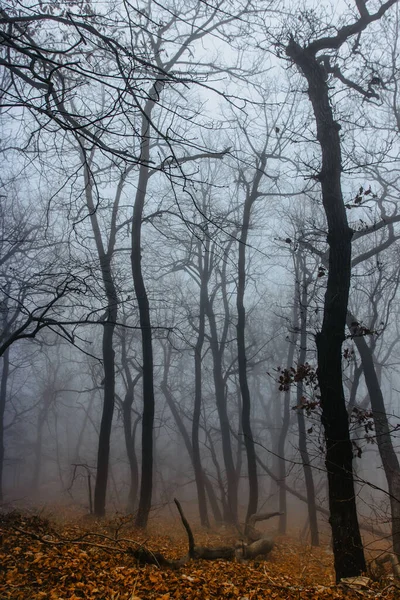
45, 569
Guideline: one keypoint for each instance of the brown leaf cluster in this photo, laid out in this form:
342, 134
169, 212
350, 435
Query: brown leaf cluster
75, 560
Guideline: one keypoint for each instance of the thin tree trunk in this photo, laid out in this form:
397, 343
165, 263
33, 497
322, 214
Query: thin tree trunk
283, 435
146, 480
242, 365
224, 502
130, 438
188, 444
105, 258
384, 441
198, 469
77, 453
48, 397
252, 192
305, 458
232, 484
129, 429
347, 546
3, 397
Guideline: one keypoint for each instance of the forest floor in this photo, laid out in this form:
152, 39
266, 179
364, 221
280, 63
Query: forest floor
71, 559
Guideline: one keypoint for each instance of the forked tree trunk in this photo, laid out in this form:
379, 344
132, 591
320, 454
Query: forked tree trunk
347, 545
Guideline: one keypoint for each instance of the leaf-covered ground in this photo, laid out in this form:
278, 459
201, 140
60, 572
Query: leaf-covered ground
75, 559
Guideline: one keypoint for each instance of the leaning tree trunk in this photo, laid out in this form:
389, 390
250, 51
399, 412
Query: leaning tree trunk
384, 441
347, 546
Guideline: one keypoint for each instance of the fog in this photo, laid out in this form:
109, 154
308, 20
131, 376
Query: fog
199, 262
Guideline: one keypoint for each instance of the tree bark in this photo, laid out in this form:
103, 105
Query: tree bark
347, 546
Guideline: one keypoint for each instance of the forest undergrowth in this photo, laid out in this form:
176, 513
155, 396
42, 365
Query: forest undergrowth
70, 558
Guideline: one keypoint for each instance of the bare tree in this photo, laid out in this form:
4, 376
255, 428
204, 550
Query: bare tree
314, 67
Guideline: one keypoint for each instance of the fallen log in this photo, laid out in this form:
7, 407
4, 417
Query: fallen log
226, 552
259, 545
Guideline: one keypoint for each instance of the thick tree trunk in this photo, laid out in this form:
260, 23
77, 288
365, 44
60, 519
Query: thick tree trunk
387, 452
347, 545
3, 397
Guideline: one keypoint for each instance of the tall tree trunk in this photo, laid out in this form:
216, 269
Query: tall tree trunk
105, 254
146, 480
302, 296
3, 397
384, 441
242, 358
347, 546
